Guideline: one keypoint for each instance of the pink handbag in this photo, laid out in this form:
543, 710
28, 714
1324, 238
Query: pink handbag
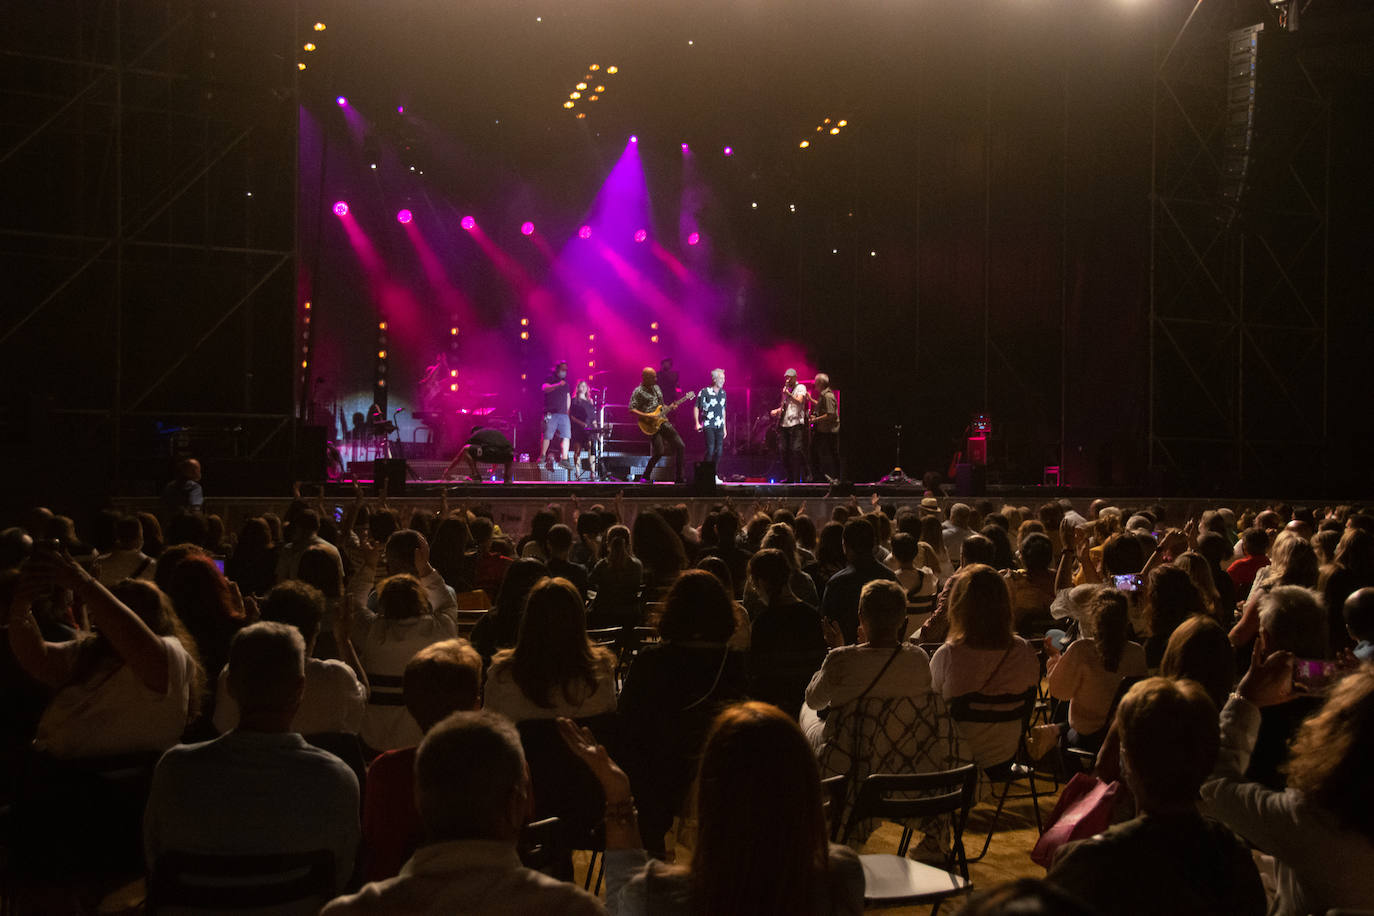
1084, 809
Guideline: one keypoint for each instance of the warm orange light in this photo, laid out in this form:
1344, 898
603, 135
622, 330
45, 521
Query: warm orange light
654, 326
804, 144
581, 115
580, 86
593, 97
453, 331
381, 383
453, 373
569, 104
612, 70
308, 46
381, 325
307, 303
834, 130
594, 67
319, 27
524, 322
304, 364
844, 123
453, 387
300, 65
600, 88
524, 335
653, 339
574, 95
381, 354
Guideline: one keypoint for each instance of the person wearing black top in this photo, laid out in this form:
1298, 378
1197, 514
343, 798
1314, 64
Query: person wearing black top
557, 426
582, 413
485, 444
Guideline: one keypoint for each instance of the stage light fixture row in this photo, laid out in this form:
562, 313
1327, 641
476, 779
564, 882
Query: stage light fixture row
584, 85
828, 126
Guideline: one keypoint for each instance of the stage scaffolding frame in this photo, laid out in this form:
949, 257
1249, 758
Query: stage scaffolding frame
1239, 253
166, 118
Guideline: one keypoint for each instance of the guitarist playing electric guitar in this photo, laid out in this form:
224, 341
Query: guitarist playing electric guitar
647, 404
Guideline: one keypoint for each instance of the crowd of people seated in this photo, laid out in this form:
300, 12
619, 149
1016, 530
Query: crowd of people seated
406, 691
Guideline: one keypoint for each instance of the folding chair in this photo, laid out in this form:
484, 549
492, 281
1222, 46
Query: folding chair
218, 883
895, 880
1006, 707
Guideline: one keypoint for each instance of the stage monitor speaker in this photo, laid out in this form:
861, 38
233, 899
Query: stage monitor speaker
970, 480
704, 478
311, 464
978, 450
393, 471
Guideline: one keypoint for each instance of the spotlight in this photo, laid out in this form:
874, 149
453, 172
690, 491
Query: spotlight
469, 223
574, 95
593, 97
569, 104
653, 326
792, 208
653, 339
340, 101
381, 325
453, 386
686, 148
319, 27
524, 322
300, 65
634, 138
581, 115
640, 235
591, 337
308, 46
600, 89
381, 354
594, 67
453, 373
843, 123
527, 228
693, 238
580, 86
613, 70
873, 254
372, 165
834, 130
585, 232
524, 335
400, 109
754, 205
804, 144
729, 151
404, 216
307, 304
340, 208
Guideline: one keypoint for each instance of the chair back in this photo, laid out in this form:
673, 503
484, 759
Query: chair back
219, 883
538, 845
901, 797
606, 637
475, 600
563, 786
994, 707
385, 689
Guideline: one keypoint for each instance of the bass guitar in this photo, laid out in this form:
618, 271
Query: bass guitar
651, 424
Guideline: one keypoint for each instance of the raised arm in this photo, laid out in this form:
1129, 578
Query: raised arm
140, 648
30, 650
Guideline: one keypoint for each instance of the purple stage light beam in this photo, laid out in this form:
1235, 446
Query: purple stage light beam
527, 228
469, 223
341, 208
404, 217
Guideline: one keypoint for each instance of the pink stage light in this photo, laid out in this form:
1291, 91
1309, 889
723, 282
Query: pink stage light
340, 208
640, 235
400, 109
585, 232
341, 101
404, 216
469, 223
693, 238
686, 148
527, 228
729, 151
634, 138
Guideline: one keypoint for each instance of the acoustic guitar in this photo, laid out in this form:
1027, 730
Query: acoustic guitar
651, 424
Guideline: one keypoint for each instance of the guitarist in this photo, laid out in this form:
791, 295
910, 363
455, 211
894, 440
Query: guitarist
791, 417
647, 403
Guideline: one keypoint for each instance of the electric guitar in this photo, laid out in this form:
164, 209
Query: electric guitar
651, 424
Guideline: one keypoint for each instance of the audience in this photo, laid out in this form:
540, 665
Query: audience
499, 628
473, 793
1089, 674
126, 560
559, 543
260, 788
787, 642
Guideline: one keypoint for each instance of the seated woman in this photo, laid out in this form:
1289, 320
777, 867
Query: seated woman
1169, 859
1032, 586
553, 670
616, 578
403, 625
761, 840
1170, 599
1321, 830
499, 628
672, 692
1089, 674
122, 692
982, 655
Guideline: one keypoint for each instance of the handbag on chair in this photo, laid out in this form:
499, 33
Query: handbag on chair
1084, 809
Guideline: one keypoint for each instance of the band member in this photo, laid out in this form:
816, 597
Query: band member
644, 403
667, 378
709, 413
582, 413
791, 417
484, 444
825, 429
556, 424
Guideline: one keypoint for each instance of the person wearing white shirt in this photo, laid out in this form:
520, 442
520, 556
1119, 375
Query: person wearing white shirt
335, 692
791, 417
127, 560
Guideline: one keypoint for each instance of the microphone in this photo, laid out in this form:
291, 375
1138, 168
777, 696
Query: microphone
398, 410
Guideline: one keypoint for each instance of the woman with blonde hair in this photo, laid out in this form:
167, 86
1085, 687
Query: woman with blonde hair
1200, 571
983, 655
761, 841
1292, 561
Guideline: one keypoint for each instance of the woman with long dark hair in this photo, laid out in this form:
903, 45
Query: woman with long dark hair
553, 670
616, 578
499, 627
1090, 672
660, 550
761, 844
253, 563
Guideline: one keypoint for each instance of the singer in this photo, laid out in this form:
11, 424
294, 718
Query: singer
791, 417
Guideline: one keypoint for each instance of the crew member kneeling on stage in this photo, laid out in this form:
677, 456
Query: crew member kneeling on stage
485, 444
645, 403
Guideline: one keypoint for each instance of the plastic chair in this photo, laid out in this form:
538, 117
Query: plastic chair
538, 845
895, 880
218, 883
1006, 707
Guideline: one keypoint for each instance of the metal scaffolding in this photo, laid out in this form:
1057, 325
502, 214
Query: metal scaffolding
148, 179
1239, 253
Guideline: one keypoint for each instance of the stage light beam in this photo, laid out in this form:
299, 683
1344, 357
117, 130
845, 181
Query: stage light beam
527, 228
469, 223
340, 208
404, 217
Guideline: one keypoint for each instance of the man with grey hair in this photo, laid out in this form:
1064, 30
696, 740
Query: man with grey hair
473, 791
261, 788
956, 530
825, 431
709, 413
791, 417
1291, 619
